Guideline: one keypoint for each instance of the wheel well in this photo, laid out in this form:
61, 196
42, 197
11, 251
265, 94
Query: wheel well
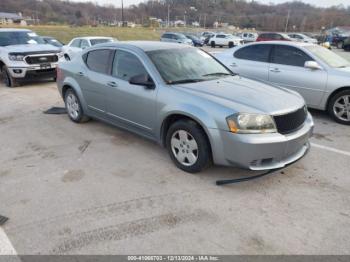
64, 90
174, 118
1, 65
336, 92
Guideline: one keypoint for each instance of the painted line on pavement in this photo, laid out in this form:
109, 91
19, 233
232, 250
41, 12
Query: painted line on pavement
331, 149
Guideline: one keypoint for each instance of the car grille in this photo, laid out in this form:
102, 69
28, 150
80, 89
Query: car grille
290, 122
41, 59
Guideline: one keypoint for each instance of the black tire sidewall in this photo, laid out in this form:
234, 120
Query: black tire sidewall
7, 79
79, 119
204, 154
212, 44
331, 104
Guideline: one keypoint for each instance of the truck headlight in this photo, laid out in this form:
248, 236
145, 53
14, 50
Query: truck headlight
16, 57
246, 123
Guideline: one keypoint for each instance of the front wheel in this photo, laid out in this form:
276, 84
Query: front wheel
188, 146
230, 45
74, 108
8, 80
339, 107
212, 44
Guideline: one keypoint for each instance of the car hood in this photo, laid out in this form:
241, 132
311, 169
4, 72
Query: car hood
244, 95
31, 48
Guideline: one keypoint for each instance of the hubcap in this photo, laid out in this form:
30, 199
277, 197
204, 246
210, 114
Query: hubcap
184, 147
341, 108
72, 106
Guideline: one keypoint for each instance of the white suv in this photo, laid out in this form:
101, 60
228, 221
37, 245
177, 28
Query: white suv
225, 40
23, 54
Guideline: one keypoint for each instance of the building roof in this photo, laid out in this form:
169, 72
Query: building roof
12, 16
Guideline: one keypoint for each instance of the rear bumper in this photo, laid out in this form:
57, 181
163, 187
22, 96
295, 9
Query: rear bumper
260, 151
33, 71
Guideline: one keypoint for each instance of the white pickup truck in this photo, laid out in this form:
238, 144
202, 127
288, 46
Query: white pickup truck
23, 54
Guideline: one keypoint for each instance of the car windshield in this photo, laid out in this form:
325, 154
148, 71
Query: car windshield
54, 42
328, 57
100, 41
19, 38
187, 65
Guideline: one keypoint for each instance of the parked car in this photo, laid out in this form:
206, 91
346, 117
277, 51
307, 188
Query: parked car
302, 38
196, 41
249, 37
184, 99
205, 35
76, 45
225, 40
338, 40
176, 38
273, 37
346, 44
318, 74
23, 55
52, 41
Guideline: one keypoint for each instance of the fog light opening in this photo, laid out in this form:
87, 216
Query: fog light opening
17, 71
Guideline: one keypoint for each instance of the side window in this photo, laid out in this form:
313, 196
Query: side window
127, 65
84, 44
288, 55
277, 37
220, 36
166, 36
258, 53
99, 60
75, 43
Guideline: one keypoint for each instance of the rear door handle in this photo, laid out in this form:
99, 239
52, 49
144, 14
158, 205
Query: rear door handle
112, 84
80, 74
275, 70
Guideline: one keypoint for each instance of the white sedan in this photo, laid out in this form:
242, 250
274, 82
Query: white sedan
225, 40
76, 45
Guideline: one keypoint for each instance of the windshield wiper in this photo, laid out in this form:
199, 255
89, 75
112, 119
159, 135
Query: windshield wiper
184, 81
219, 74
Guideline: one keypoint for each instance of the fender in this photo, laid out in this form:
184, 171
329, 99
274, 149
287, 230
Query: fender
72, 83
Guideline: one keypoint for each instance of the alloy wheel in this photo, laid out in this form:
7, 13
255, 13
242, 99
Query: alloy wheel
73, 107
341, 108
184, 147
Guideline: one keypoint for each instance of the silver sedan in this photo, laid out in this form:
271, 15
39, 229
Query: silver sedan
318, 74
185, 100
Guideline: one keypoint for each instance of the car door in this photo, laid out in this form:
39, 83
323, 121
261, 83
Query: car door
252, 62
287, 70
128, 104
94, 77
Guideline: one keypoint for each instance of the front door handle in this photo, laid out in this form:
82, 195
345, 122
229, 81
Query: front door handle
275, 70
112, 84
80, 74
233, 64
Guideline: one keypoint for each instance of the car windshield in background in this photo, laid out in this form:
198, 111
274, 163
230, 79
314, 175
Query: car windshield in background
100, 41
187, 65
19, 38
329, 57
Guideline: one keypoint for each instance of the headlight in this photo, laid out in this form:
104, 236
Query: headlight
16, 57
60, 54
251, 123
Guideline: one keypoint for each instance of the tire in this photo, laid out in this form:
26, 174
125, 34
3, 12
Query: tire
339, 107
187, 136
340, 45
74, 108
212, 44
8, 80
230, 45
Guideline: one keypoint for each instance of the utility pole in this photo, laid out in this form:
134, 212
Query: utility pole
286, 28
122, 13
168, 15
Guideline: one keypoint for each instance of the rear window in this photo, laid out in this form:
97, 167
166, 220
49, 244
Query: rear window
99, 60
258, 53
100, 41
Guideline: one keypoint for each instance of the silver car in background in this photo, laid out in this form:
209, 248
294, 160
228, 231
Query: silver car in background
318, 74
176, 38
184, 99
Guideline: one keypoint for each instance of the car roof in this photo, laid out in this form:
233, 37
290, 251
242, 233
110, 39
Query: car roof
93, 37
146, 45
14, 30
290, 43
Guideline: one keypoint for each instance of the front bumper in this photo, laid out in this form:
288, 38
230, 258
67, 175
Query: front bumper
29, 71
260, 151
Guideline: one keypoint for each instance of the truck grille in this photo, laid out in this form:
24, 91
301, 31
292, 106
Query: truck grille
290, 122
42, 59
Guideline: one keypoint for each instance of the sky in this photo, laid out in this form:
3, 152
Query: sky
320, 3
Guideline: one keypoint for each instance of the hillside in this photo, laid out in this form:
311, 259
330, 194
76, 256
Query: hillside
303, 17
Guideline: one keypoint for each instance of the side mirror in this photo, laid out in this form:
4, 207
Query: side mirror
312, 65
142, 80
